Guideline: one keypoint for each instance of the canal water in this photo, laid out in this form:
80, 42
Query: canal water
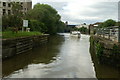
62, 57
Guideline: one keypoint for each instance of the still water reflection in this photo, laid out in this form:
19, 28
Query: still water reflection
62, 57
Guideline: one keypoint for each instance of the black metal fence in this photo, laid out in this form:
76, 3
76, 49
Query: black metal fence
111, 33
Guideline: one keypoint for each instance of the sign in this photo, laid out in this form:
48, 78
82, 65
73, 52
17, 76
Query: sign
25, 23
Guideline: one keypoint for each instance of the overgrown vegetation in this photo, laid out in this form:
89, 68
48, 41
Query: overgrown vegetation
48, 17
116, 50
14, 19
99, 49
42, 18
105, 55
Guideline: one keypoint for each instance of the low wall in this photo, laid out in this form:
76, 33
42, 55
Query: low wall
11, 47
107, 52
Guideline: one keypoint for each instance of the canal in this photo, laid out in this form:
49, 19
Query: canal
62, 57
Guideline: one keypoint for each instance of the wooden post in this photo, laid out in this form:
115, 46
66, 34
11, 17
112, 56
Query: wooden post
119, 34
109, 34
103, 33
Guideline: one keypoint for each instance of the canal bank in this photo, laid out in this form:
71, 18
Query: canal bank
62, 57
107, 52
13, 46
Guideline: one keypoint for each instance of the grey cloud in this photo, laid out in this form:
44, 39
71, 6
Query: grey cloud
105, 10
57, 5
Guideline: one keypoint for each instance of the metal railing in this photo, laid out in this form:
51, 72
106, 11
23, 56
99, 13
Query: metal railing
111, 33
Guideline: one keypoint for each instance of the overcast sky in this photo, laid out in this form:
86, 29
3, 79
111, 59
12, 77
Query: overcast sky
84, 11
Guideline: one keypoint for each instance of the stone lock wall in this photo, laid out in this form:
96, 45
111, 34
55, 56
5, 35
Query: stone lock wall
11, 47
108, 52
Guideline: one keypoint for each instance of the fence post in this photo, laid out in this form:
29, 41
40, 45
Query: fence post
103, 33
118, 33
109, 34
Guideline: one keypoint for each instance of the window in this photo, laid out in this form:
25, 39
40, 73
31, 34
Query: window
21, 7
4, 11
4, 4
9, 12
9, 5
17, 2
21, 3
25, 9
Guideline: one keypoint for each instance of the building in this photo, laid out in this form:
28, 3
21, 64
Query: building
82, 25
6, 6
93, 26
69, 28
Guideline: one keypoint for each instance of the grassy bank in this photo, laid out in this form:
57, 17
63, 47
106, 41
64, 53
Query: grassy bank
10, 34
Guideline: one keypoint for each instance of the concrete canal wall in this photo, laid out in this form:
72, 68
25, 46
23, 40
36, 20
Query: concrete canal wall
107, 52
11, 47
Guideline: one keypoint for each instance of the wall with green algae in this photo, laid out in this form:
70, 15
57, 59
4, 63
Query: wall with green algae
107, 52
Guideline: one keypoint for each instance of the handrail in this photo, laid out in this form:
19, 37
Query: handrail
111, 33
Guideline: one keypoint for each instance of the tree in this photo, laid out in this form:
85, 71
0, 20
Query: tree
37, 26
61, 26
107, 23
45, 14
5, 22
83, 30
15, 18
17, 14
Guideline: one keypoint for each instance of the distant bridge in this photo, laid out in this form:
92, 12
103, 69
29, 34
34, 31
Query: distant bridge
70, 28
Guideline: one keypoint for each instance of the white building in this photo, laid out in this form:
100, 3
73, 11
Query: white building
83, 25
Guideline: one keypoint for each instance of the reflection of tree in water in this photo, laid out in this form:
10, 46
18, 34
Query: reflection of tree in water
42, 54
102, 70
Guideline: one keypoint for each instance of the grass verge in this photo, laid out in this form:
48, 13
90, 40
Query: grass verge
10, 34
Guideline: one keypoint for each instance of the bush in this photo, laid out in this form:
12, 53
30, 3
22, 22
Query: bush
37, 26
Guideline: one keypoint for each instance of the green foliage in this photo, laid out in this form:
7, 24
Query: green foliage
91, 40
17, 9
116, 50
108, 23
37, 26
118, 23
83, 30
47, 15
5, 22
34, 25
14, 19
99, 50
61, 26
101, 25
10, 34
42, 18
